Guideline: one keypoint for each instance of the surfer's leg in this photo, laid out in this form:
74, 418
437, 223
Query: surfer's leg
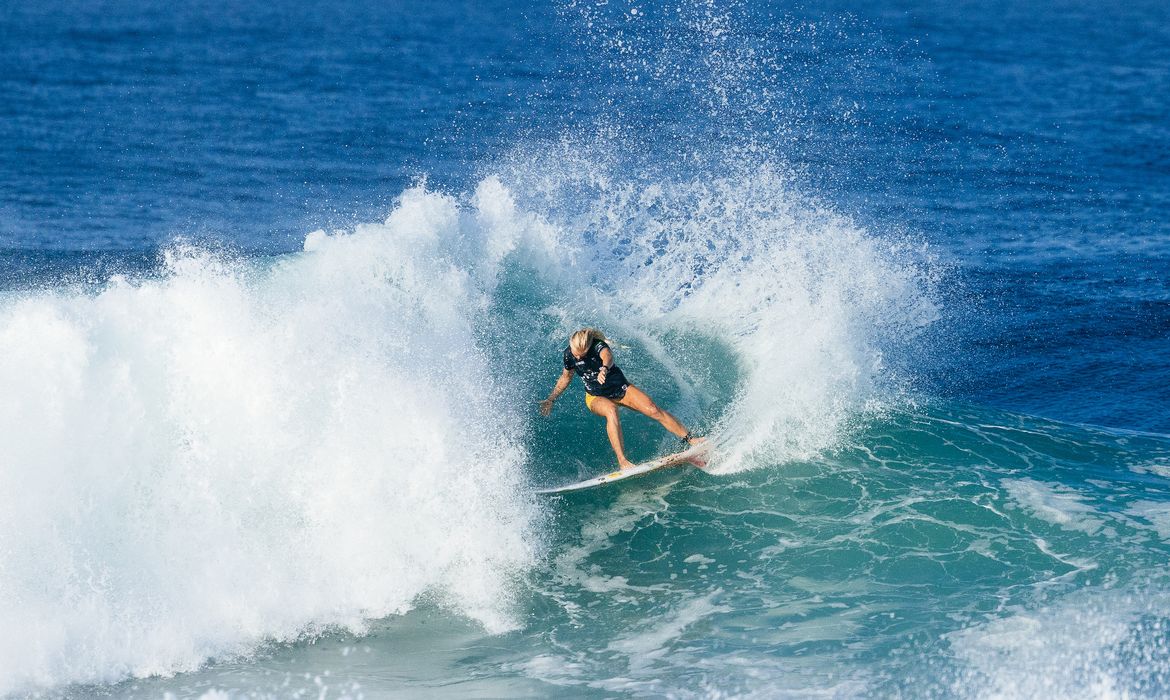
608, 410
637, 399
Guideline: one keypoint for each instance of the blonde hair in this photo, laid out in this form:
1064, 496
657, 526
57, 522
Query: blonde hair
583, 339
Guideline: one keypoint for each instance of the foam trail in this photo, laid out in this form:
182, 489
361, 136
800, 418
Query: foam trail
238, 452
1093, 644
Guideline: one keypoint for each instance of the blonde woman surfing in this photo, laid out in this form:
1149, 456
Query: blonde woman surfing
606, 388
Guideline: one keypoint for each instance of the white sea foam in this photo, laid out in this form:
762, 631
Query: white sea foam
1055, 503
647, 646
1156, 512
233, 453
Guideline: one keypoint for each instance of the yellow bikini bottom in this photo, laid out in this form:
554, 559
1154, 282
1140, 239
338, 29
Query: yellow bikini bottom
589, 398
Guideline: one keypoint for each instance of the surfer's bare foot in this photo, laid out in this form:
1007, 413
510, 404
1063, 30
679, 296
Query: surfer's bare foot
624, 464
696, 440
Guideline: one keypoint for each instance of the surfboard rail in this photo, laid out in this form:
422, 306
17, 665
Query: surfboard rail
691, 455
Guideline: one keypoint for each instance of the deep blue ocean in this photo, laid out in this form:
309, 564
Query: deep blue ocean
281, 285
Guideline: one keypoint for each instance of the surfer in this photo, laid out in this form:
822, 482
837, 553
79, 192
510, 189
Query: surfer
606, 388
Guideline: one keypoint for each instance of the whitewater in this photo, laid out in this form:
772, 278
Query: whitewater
235, 451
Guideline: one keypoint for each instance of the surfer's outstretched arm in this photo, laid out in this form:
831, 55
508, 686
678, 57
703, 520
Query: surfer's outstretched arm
562, 384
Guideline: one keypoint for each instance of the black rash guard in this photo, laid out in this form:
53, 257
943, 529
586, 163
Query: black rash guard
587, 368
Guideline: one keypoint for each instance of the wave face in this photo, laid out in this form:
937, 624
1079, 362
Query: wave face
236, 451
776, 318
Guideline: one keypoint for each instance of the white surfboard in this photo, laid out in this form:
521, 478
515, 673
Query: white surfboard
693, 455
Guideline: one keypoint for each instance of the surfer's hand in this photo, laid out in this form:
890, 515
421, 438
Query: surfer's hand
546, 407
602, 374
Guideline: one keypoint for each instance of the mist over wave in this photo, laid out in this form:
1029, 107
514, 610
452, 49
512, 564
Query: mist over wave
807, 304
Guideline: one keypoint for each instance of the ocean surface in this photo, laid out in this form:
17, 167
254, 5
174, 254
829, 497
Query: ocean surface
281, 285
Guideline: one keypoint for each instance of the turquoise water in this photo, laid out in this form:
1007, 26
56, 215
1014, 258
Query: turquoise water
941, 553
281, 286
